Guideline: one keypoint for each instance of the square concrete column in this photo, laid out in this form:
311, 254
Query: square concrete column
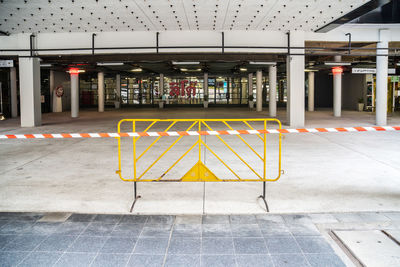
311, 91
250, 86
295, 81
29, 82
381, 77
100, 92
205, 84
272, 91
337, 89
74, 94
14, 95
259, 100
118, 87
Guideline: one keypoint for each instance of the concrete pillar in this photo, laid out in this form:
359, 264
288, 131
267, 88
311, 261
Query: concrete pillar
272, 91
14, 95
74, 95
259, 90
337, 91
118, 88
29, 82
311, 91
250, 85
295, 81
100, 88
205, 84
381, 77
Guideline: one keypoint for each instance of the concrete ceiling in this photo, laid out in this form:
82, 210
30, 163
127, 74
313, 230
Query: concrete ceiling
39, 16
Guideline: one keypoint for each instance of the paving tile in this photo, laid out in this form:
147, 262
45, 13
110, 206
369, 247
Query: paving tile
348, 217
217, 245
127, 230
322, 218
182, 245
254, 260
250, 245
41, 259
98, 229
24, 243
160, 219
274, 229
326, 260
243, 219
156, 231
110, 260
373, 217
56, 243
140, 260
71, 228
394, 216
215, 219
77, 217
55, 217
75, 259
216, 230
188, 219
15, 228
119, 245
303, 230
218, 260
107, 218
134, 219
42, 228
87, 244
3, 222
269, 218
182, 260
186, 230
151, 246
5, 239
289, 260
297, 218
314, 245
11, 258
246, 230
21, 216
282, 245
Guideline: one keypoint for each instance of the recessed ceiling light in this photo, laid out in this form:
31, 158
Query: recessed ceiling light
185, 62
110, 63
136, 70
243, 69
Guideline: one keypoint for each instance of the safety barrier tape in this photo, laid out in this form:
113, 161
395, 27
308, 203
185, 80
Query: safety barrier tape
197, 133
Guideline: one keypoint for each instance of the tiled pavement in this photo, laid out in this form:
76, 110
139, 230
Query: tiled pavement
140, 240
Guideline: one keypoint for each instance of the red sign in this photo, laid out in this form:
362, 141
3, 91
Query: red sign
180, 88
337, 70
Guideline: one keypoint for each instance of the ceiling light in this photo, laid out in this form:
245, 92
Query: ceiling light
398, 64
183, 69
243, 69
310, 70
110, 63
185, 62
45, 65
75, 71
261, 63
136, 70
337, 63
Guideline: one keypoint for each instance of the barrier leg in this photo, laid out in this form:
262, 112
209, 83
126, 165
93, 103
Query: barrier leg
263, 197
135, 196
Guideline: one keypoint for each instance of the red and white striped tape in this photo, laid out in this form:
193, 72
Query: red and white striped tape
196, 133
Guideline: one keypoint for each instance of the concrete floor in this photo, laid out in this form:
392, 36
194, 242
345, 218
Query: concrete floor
325, 172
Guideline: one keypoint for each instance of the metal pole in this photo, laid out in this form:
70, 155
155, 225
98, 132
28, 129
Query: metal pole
93, 35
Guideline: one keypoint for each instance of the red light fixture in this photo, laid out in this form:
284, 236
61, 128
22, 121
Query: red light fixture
337, 70
73, 71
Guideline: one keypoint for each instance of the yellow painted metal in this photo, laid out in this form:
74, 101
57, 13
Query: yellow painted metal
200, 172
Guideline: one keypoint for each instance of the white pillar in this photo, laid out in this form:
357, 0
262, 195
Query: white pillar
337, 91
259, 90
311, 91
295, 81
381, 78
272, 91
14, 95
100, 88
29, 82
74, 95
205, 84
118, 87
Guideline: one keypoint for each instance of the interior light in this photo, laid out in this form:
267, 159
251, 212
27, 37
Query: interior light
185, 62
45, 65
337, 63
136, 70
75, 71
310, 70
261, 63
110, 63
183, 69
337, 70
243, 69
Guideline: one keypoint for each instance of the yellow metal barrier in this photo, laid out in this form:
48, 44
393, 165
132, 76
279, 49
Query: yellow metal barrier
199, 172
